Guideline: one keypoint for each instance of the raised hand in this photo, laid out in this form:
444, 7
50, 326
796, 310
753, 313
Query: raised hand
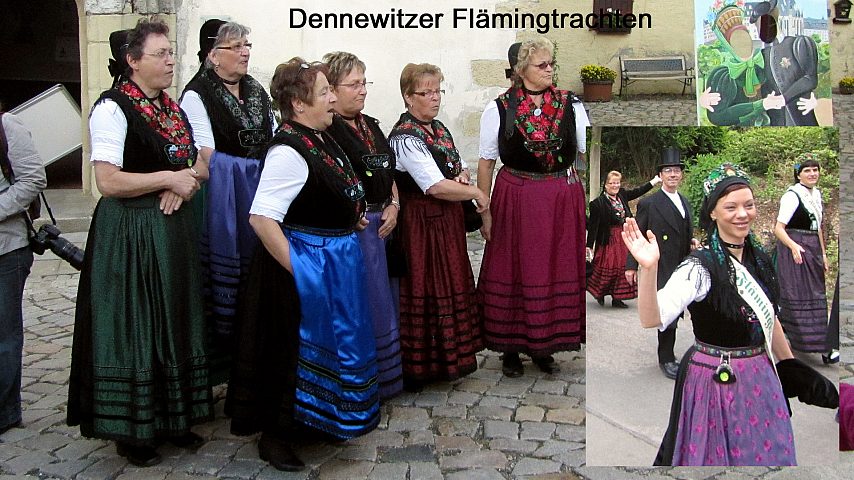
645, 250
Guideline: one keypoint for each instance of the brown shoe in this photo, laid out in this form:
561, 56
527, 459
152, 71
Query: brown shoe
279, 454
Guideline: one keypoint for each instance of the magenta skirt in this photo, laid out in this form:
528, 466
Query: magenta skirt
532, 278
609, 269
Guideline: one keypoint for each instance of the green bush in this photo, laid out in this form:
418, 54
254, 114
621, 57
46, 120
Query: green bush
756, 149
846, 82
593, 73
781, 175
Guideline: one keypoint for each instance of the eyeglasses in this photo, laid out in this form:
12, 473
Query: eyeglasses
237, 48
544, 65
162, 53
671, 170
355, 85
430, 93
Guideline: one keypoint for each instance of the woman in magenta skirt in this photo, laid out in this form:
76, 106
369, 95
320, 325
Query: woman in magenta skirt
531, 282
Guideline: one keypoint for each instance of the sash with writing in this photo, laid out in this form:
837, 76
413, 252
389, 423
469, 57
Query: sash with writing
752, 293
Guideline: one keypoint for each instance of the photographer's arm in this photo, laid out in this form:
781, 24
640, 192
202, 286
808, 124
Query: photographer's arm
27, 166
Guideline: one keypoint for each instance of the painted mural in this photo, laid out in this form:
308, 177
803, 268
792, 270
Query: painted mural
763, 63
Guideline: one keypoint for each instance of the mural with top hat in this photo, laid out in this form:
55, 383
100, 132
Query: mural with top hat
764, 63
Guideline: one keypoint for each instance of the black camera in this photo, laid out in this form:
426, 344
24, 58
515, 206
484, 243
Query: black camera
48, 237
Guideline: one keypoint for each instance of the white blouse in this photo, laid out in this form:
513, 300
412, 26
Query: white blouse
108, 128
490, 122
414, 157
285, 172
789, 203
690, 282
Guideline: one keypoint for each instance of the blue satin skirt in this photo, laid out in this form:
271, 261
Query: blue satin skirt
337, 387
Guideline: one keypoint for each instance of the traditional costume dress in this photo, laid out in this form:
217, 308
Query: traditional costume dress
139, 370
604, 228
439, 318
803, 299
374, 163
238, 131
532, 278
733, 415
306, 352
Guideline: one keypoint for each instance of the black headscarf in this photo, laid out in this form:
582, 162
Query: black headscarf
118, 65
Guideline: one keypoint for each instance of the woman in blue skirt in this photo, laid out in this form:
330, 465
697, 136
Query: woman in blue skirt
306, 354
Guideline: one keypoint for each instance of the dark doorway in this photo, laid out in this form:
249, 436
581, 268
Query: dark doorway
39, 47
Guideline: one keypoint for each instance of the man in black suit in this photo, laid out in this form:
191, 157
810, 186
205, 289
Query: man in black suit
668, 214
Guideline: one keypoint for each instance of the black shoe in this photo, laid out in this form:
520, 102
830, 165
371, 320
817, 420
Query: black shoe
831, 358
547, 364
139, 456
189, 440
617, 303
600, 301
279, 454
670, 369
9, 427
511, 365
413, 386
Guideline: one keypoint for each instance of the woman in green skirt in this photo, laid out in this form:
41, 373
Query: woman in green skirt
139, 371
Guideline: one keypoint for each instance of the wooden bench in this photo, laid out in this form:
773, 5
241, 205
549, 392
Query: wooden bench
655, 68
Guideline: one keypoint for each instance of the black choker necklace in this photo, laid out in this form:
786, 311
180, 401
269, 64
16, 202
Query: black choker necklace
230, 82
533, 92
732, 245
422, 122
151, 99
349, 119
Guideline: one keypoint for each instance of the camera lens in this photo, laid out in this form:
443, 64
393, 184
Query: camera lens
67, 251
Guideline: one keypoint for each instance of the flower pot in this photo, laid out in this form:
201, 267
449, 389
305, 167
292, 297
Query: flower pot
598, 90
846, 90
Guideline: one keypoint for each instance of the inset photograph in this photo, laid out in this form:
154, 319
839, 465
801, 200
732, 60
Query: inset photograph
713, 257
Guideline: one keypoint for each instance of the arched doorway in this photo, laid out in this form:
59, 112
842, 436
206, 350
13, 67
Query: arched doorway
40, 47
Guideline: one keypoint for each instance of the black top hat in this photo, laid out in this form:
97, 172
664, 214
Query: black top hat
118, 65
513, 58
207, 37
670, 157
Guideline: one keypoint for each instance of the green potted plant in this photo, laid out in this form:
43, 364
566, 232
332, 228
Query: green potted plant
598, 82
846, 85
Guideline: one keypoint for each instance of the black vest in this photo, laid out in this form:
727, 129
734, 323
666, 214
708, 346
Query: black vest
146, 150
324, 201
230, 135
801, 218
513, 152
375, 170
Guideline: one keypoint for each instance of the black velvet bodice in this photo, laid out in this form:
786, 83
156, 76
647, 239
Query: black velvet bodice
375, 169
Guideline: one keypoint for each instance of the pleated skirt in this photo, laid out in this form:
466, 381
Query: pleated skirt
227, 244
803, 298
382, 303
738, 424
139, 368
532, 279
609, 269
440, 331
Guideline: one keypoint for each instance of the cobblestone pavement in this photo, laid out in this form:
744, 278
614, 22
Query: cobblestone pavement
484, 426
644, 110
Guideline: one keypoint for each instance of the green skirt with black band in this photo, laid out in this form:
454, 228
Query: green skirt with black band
139, 368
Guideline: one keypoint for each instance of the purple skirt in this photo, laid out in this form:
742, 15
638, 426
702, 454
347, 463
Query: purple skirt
383, 306
738, 424
803, 300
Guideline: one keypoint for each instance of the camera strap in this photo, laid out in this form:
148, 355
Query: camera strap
6, 166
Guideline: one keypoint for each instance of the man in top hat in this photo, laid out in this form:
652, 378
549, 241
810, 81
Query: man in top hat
668, 214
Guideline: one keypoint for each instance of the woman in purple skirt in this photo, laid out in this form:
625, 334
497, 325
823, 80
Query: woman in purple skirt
729, 404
